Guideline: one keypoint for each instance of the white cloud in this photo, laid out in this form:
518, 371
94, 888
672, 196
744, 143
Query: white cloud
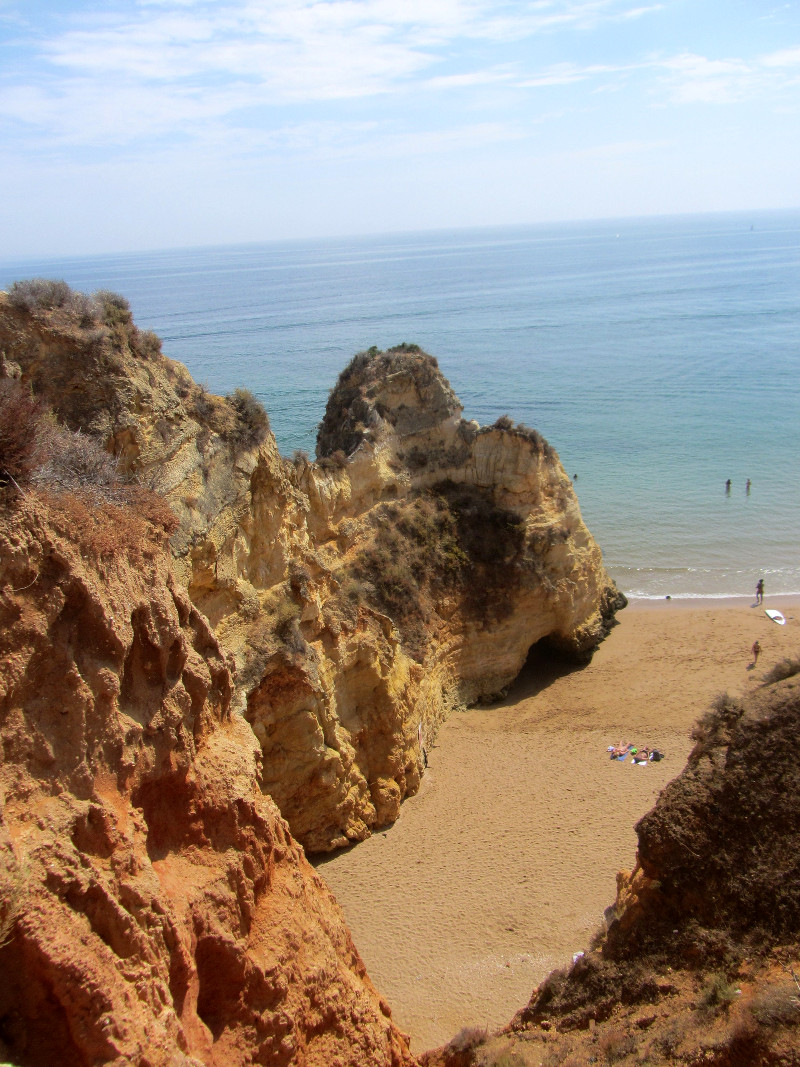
159, 65
637, 12
696, 79
569, 74
691, 78
184, 68
787, 57
470, 79
168, 40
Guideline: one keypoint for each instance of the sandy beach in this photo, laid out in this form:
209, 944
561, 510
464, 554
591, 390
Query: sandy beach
500, 868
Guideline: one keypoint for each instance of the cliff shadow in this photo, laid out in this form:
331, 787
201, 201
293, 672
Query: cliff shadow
543, 666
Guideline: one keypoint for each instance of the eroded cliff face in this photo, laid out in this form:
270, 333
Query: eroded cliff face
363, 596
154, 907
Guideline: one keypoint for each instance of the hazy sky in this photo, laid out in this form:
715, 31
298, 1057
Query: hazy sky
157, 123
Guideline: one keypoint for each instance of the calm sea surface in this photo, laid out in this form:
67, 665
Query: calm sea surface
660, 357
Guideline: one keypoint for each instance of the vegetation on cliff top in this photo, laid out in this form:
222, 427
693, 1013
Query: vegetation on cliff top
104, 323
73, 476
104, 315
350, 415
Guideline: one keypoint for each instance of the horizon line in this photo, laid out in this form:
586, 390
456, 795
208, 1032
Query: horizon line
412, 232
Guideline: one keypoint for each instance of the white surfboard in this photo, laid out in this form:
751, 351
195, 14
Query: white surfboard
776, 616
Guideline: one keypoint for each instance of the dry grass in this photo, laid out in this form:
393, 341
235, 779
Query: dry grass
785, 668
776, 1006
76, 480
72, 461
471, 1037
20, 417
615, 1044
34, 450
102, 529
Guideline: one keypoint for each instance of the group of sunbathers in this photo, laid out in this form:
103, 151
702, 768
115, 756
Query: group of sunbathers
638, 755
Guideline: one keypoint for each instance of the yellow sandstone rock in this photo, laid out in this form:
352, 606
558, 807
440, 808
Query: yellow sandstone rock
406, 571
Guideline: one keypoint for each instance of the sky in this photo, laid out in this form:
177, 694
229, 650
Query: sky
146, 124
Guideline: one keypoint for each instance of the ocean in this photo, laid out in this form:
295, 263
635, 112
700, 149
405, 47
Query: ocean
660, 357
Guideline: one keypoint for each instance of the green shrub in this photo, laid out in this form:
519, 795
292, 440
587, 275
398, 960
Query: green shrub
453, 538
352, 413
716, 994
147, 344
116, 309
39, 294
533, 436
413, 349
252, 421
204, 403
507, 424
334, 462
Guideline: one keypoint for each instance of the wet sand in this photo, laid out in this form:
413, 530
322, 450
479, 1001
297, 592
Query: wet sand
500, 868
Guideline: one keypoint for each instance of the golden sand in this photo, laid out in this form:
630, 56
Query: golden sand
501, 867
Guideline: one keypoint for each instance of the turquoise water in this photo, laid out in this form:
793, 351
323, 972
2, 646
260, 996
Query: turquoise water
660, 357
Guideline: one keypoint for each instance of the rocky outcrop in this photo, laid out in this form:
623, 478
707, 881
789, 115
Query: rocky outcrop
154, 907
443, 552
408, 570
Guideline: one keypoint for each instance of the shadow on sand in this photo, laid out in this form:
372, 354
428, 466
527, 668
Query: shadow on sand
543, 666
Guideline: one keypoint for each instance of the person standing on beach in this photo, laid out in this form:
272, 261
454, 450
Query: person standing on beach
756, 652
760, 591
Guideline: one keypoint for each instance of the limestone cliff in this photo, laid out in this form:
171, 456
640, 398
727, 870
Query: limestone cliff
154, 907
407, 570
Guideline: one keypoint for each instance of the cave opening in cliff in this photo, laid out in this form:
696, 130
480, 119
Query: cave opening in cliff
544, 664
